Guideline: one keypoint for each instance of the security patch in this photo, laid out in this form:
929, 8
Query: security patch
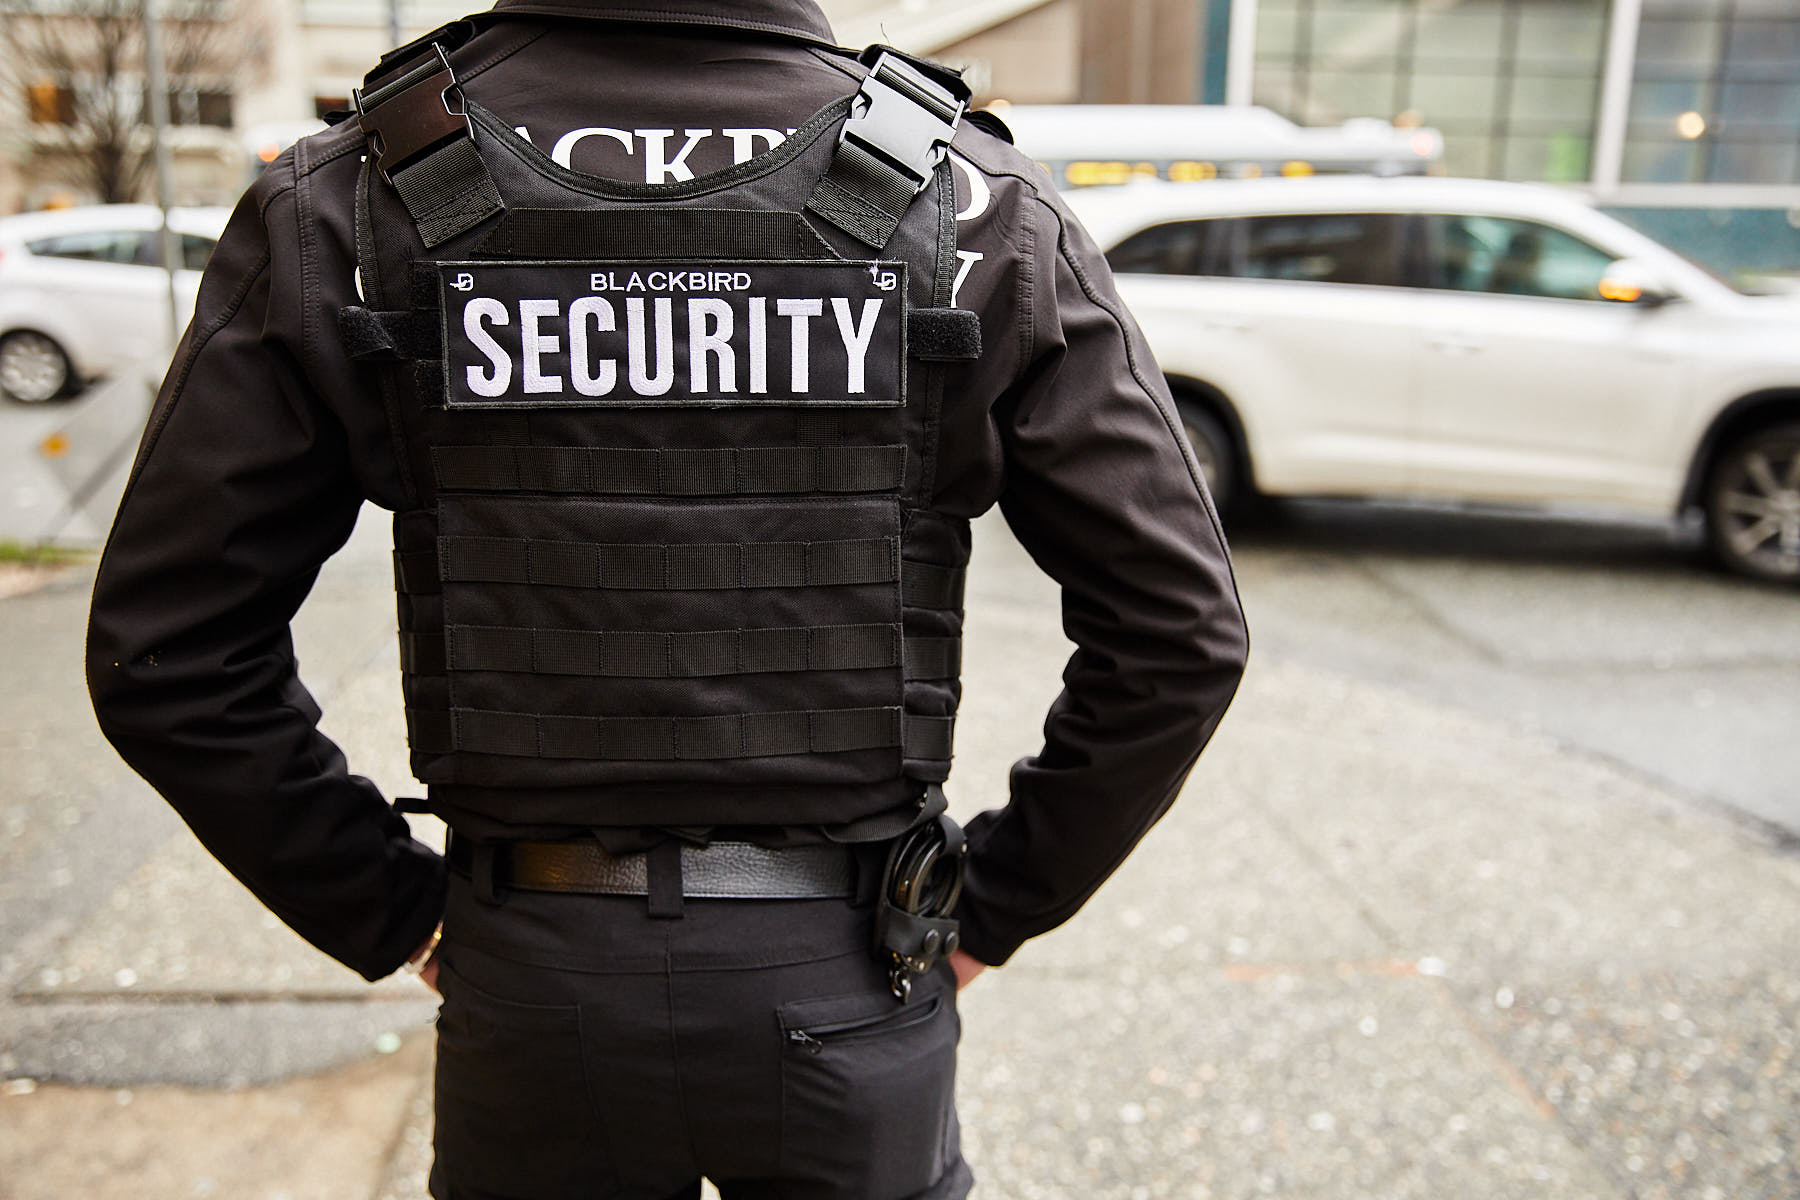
635, 334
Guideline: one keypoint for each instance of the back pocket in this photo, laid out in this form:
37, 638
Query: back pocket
510, 1075
868, 1090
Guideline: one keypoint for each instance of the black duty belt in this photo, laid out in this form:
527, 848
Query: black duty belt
723, 870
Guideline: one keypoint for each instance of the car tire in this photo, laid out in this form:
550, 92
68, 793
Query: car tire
33, 368
1215, 452
1752, 504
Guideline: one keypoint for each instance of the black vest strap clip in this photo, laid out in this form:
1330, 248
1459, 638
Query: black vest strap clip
899, 129
904, 117
425, 147
411, 114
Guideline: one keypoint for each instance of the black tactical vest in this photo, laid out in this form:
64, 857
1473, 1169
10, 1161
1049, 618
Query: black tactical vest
671, 558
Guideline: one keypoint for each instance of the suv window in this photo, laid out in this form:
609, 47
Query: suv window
1320, 247
129, 246
1512, 258
195, 250
1178, 248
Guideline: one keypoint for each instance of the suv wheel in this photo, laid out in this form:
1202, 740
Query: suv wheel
33, 368
1214, 451
1753, 504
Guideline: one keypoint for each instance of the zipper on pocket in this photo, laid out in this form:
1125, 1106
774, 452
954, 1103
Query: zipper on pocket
816, 1038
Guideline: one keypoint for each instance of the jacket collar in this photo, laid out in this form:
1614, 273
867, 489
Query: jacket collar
797, 19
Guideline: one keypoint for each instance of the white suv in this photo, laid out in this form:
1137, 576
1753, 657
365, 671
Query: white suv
1466, 340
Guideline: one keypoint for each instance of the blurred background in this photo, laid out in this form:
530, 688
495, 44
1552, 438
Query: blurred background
1482, 318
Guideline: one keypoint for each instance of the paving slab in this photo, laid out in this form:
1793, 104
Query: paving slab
323, 1137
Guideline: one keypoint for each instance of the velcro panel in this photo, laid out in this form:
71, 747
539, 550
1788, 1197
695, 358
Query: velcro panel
943, 334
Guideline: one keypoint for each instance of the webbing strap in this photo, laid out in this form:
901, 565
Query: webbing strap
645, 655
448, 192
929, 737
665, 739
730, 471
899, 129
676, 234
927, 585
416, 573
697, 566
677, 655
932, 658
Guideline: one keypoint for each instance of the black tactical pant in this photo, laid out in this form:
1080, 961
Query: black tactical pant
587, 1049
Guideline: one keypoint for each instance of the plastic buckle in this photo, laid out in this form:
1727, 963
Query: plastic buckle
411, 114
903, 118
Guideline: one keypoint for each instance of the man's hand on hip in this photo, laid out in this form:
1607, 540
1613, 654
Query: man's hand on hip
966, 968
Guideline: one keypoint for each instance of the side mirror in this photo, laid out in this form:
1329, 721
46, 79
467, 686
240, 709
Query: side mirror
1633, 281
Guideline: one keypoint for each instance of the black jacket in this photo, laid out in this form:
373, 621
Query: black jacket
267, 439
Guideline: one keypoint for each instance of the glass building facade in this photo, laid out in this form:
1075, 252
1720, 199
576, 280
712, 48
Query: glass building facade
1516, 86
1715, 94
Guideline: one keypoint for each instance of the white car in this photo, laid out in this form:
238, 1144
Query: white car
1464, 340
83, 292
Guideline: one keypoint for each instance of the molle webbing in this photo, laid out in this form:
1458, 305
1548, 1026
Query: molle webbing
644, 655
922, 585
727, 471
678, 739
630, 594
664, 567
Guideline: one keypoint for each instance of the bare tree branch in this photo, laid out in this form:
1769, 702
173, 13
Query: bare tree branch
93, 51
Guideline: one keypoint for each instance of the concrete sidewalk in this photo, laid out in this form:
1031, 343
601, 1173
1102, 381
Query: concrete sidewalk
1378, 949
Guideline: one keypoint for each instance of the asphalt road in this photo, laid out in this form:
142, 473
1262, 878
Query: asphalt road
1614, 638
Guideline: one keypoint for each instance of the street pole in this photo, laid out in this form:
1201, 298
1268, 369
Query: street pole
156, 76
394, 22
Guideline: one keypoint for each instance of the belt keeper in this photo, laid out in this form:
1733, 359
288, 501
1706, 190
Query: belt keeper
484, 866
662, 869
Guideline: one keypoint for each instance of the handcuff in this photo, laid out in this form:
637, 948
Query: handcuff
919, 890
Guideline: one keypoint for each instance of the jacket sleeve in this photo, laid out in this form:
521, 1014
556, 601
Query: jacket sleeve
242, 488
1103, 493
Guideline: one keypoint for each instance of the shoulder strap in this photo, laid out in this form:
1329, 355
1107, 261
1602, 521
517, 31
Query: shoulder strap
424, 145
899, 130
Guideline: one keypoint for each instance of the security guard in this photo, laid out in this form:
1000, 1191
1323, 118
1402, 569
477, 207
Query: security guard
683, 346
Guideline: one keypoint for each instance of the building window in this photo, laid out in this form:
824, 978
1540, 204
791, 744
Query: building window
196, 106
1715, 97
50, 103
1513, 85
